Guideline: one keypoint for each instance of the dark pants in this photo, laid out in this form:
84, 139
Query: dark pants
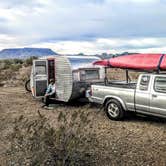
48, 99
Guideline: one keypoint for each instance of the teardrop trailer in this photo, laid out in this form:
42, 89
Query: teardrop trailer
72, 74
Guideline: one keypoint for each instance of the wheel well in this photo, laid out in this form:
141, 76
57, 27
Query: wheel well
106, 100
109, 98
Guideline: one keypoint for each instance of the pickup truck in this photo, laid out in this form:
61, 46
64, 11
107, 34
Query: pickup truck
147, 96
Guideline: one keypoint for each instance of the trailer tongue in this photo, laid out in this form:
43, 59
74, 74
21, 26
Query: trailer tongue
147, 62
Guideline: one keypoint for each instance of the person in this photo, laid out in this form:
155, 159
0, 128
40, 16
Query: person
50, 92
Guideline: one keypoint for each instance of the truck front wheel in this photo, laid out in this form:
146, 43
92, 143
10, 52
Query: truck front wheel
114, 110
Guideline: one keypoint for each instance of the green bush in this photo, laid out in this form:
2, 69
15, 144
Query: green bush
15, 67
29, 61
13, 64
7, 63
18, 61
2, 65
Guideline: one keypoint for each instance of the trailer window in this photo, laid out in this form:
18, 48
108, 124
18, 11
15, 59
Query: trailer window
40, 70
144, 83
89, 75
160, 84
92, 74
76, 76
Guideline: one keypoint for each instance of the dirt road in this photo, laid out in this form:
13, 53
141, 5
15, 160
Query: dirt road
135, 141
13, 103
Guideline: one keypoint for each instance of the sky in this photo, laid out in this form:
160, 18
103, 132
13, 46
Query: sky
84, 26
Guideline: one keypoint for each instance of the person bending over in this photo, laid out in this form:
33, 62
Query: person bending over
50, 92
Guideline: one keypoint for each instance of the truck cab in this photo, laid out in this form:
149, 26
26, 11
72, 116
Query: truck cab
150, 95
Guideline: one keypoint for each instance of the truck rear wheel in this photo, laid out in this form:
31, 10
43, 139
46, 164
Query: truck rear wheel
114, 110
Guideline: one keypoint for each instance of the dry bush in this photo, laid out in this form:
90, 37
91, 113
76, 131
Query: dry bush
13, 72
13, 64
35, 142
15, 67
29, 61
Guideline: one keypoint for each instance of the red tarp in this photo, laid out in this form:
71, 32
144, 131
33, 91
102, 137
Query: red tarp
136, 62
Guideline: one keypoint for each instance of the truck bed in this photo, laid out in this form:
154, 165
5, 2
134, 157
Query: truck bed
122, 90
118, 84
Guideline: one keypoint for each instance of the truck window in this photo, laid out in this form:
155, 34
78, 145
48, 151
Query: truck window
160, 84
144, 83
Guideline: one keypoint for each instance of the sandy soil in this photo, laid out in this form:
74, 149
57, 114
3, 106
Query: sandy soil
135, 141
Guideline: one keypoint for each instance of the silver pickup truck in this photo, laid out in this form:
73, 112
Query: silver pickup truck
147, 96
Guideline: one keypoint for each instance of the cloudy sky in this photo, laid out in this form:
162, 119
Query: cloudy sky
89, 26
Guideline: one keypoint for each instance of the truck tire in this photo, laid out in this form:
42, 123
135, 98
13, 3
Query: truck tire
114, 110
27, 86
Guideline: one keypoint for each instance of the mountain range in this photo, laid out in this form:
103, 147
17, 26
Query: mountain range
23, 53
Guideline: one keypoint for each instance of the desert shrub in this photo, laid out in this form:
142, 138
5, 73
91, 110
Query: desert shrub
2, 65
7, 63
15, 67
14, 64
35, 142
29, 61
18, 61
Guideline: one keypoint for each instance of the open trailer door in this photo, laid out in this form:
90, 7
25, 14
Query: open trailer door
40, 77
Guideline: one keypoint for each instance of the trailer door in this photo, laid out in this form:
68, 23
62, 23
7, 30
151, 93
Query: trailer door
40, 77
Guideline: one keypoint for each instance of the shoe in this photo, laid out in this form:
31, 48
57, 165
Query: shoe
43, 106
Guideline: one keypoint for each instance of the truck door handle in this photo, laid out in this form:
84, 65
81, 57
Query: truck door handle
154, 95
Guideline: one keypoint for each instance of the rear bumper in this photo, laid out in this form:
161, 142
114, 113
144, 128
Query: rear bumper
93, 99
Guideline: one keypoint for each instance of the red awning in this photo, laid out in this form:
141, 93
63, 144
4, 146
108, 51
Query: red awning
136, 62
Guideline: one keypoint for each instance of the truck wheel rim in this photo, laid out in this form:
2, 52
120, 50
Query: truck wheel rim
113, 110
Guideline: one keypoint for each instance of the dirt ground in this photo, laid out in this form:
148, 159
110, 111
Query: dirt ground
137, 140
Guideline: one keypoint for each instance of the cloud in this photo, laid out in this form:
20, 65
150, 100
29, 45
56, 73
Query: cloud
98, 46
133, 24
19, 3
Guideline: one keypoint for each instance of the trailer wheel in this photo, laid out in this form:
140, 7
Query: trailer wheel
114, 110
27, 86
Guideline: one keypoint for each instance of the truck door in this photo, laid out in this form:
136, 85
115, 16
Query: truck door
158, 96
142, 98
40, 77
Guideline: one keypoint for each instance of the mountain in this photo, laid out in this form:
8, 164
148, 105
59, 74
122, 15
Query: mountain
107, 55
25, 52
